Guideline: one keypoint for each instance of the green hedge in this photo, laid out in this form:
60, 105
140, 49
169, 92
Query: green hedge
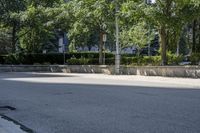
142, 60
82, 61
53, 58
195, 58
2, 61
30, 59
111, 61
86, 58
90, 61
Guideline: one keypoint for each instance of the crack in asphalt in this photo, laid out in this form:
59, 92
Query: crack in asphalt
8, 108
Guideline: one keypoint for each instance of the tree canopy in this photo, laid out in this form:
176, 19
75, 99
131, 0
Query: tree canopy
34, 25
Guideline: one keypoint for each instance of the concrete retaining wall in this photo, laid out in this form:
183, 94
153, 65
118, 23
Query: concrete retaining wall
57, 68
168, 71
82, 69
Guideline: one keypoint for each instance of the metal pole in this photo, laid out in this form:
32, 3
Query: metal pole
104, 54
117, 54
64, 54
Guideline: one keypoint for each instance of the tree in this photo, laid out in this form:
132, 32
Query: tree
169, 16
8, 9
39, 31
196, 36
91, 17
135, 29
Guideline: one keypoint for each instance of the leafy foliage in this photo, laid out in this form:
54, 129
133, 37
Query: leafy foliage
35, 25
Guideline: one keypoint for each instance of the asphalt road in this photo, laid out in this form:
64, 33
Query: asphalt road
91, 103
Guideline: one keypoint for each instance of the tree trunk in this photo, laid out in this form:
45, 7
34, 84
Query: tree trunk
178, 49
163, 39
178, 38
14, 30
101, 48
164, 33
194, 37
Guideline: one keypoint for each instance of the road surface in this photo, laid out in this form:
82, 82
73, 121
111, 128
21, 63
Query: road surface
97, 103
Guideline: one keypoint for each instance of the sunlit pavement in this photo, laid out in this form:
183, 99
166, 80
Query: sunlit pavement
97, 103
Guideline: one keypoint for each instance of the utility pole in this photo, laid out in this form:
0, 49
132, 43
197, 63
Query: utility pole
117, 54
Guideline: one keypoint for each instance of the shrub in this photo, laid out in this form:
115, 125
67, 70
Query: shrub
81, 61
141, 60
129, 60
94, 61
174, 59
10, 59
52, 58
155, 60
2, 59
195, 58
88, 55
87, 58
30, 59
110, 61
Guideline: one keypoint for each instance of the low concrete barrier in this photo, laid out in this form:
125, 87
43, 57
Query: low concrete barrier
82, 69
57, 68
167, 71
